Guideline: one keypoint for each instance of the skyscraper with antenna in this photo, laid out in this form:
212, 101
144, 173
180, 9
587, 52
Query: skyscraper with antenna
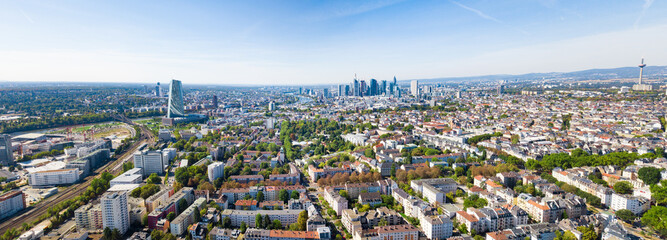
641, 86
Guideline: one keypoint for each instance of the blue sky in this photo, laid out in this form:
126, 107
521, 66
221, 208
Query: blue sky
321, 42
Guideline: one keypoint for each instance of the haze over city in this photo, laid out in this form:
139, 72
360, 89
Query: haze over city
321, 42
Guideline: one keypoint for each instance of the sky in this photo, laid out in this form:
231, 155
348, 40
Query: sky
321, 42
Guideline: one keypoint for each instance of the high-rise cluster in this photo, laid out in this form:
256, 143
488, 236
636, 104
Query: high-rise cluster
361, 88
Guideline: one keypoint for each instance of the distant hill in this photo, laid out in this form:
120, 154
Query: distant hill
590, 74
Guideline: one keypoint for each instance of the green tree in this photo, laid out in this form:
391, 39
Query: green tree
343, 193
295, 195
659, 193
106, 234
283, 195
171, 216
588, 233
623, 187
154, 179
649, 175
655, 218
260, 196
277, 224
258, 221
243, 227
115, 234
267, 222
197, 215
226, 222
625, 215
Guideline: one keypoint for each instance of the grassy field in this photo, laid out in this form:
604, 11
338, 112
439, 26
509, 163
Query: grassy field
120, 131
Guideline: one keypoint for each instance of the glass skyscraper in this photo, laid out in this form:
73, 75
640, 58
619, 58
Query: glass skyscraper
176, 108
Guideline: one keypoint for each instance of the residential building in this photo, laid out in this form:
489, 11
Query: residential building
370, 198
336, 202
286, 217
115, 212
637, 205
436, 227
11, 202
405, 232
216, 170
180, 224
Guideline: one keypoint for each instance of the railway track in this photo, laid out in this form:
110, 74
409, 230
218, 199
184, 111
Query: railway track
113, 167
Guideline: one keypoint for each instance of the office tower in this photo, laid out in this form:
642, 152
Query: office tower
414, 88
150, 162
458, 94
272, 106
300, 90
363, 88
216, 170
325, 92
356, 88
158, 91
383, 87
347, 90
6, 155
176, 108
215, 101
115, 214
373, 87
341, 90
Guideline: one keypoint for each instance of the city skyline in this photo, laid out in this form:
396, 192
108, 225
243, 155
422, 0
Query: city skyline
322, 42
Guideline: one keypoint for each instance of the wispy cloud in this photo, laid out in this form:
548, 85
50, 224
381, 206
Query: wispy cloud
476, 11
352, 9
646, 6
26, 16
487, 17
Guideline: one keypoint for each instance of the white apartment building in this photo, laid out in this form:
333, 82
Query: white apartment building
115, 212
286, 217
216, 170
405, 232
637, 205
10, 203
436, 227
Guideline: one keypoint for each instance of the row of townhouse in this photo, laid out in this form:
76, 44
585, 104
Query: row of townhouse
355, 221
491, 219
231, 195
577, 178
536, 231
286, 217
551, 210
316, 173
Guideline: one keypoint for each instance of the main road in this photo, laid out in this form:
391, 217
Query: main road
32, 213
